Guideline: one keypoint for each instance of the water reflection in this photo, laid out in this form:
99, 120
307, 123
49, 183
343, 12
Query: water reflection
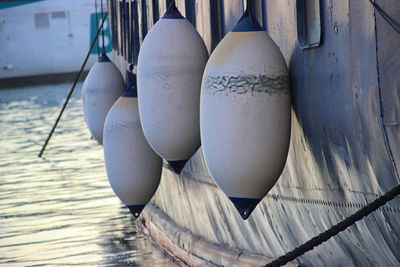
60, 210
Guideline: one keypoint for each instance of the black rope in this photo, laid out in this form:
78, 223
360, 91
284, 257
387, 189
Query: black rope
334, 230
73, 87
386, 17
102, 32
97, 27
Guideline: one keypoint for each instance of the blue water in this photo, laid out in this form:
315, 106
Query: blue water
60, 209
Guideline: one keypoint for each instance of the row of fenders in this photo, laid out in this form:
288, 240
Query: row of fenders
236, 102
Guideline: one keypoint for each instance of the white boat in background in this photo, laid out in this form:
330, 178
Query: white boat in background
46, 41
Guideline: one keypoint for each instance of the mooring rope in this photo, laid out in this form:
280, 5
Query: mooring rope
97, 26
334, 230
73, 87
386, 17
102, 32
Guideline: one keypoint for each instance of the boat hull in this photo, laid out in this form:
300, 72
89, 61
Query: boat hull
344, 150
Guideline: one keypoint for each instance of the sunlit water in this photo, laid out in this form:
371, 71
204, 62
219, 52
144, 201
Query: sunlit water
60, 210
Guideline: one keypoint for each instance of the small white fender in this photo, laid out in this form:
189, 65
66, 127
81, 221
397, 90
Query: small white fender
133, 168
170, 68
102, 87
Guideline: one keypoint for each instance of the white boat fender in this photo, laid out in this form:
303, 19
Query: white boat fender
102, 87
245, 114
170, 68
133, 168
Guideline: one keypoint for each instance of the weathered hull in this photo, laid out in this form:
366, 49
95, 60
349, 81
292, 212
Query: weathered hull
344, 151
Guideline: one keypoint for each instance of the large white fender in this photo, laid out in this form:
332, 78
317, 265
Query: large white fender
170, 68
102, 87
133, 168
245, 114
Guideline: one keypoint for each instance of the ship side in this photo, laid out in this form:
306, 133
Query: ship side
343, 62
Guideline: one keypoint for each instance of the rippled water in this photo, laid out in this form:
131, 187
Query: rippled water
60, 210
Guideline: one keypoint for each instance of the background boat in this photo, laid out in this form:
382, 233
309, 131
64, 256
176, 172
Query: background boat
60, 34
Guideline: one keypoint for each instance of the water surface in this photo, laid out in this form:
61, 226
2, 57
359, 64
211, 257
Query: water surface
60, 209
